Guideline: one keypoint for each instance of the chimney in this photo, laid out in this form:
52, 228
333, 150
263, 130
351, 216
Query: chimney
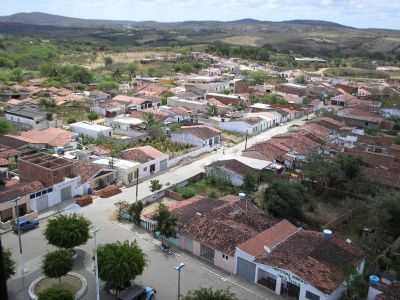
327, 234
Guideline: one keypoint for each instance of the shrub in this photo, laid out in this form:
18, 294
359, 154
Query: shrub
55, 294
57, 264
67, 231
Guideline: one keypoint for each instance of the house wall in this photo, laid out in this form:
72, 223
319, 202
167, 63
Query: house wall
184, 138
92, 133
237, 126
196, 248
225, 174
26, 122
6, 206
224, 261
285, 275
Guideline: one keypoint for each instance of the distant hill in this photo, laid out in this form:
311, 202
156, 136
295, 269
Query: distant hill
306, 37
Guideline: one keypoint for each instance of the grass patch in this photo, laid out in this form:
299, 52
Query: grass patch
209, 186
69, 282
355, 72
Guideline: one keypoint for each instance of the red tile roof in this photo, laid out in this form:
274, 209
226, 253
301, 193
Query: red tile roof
221, 224
54, 137
201, 131
142, 154
269, 238
19, 189
320, 262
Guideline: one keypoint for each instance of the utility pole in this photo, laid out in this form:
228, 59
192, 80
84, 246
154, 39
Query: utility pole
95, 230
3, 280
179, 269
245, 144
17, 223
137, 184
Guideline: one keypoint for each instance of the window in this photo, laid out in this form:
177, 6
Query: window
145, 169
225, 256
32, 196
311, 296
50, 190
44, 192
38, 194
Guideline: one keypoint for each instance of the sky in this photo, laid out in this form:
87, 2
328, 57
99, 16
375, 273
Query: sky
357, 13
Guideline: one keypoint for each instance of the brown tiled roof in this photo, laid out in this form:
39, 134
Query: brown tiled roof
86, 170
201, 131
319, 131
11, 141
19, 189
329, 123
269, 238
141, 154
318, 261
269, 150
235, 166
222, 224
54, 137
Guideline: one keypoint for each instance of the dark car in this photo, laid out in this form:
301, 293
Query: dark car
137, 292
25, 225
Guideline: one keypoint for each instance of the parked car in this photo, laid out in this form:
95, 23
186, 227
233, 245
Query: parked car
137, 292
25, 225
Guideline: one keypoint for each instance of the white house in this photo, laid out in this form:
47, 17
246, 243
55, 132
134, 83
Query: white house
193, 105
29, 117
126, 170
129, 126
94, 131
298, 263
198, 135
247, 125
151, 160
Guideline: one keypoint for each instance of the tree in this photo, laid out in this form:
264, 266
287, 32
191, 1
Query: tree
9, 264
135, 210
357, 287
67, 231
57, 264
55, 294
155, 185
285, 200
150, 121
249, 183
166, 222
119, 263
132, 69
210, 294
92, 116
108, 61
212, 110
5, 126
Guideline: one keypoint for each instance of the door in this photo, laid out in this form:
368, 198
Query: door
163, 165
42, 203
246, 269
66, 193
207, 253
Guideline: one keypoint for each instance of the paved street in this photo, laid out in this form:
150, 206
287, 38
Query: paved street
160, 272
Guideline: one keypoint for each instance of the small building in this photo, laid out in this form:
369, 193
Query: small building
49, 138
297, 263
248, 125
10, 190
151, 160
234, 169
129, 126
196, 106
126, 171
94, 176
198, 135
93, 131
57, 174
136, 103
29, 117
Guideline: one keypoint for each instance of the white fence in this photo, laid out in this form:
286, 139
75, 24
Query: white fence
198, 151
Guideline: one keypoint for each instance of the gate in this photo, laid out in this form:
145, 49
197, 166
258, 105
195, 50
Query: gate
246, 270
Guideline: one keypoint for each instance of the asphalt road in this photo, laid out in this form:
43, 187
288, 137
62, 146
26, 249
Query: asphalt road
160, 272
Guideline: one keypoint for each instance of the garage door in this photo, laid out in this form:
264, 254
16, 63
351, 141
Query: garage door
246, 269
42, 203
66, 194
163, 165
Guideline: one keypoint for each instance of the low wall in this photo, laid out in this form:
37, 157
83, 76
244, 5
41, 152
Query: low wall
192, 154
